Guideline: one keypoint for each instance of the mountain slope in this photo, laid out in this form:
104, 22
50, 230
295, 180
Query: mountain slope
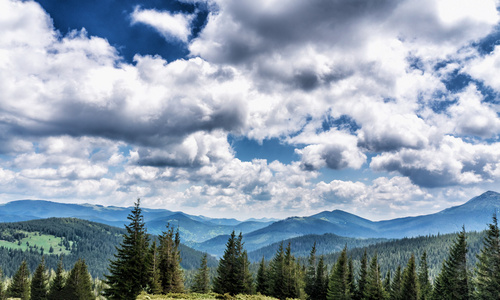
193, 228
73, 238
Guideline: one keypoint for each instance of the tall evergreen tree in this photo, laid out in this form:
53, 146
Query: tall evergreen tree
283, 274
487, 280
20, 285
310, 279
351, 285
337, 286
387, 284
202, 279
246, 276
395, 293
56, 290
129, 271
154, 276
232, 272
452, 282
39, 282
321, 285
79, 283
374, 289
171, 277
363, 273
424, 284
262, 279
409, 285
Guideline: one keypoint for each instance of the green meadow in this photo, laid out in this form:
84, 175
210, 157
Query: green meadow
37, 241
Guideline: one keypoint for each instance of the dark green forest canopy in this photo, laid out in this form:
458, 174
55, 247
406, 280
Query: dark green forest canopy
94, 242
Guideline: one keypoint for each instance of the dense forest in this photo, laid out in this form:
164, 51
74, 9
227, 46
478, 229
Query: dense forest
451, 266
72, 239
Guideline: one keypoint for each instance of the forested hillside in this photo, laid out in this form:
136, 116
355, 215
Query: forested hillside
72, 238
325, 244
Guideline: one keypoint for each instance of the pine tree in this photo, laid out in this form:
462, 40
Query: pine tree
129, 271
154, 277
409, 285
262, 278
201, 279
246, 276
79, 283
363, 271
423, 279
39, 283
20, 286
387, 283
374, 289
56, 290
310, 279
277, 274
395, 292
232, 273
171, 277
452, 282
487, 280
291, 276
337, 286
350, 279
321, 285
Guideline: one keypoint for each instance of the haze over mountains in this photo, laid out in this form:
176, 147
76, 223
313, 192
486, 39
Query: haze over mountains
210, 235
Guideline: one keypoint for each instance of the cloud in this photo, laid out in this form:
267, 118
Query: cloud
170, 26
452, 162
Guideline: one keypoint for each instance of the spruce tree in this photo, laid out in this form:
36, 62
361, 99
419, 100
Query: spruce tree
291, 275
452, 282
79, 283
424, 285
246, 276
277, 274
129, 271
202, 279
351, 285
337, 286
171, 277
310, 279
39, 283
409, 285
20, 285
487, 281
321, 285
232, 273
395, 292
363, 271
262, 278
154, 276
374, 289
56, 290
387, 284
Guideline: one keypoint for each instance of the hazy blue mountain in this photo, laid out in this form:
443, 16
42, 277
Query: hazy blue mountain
210, 235
192, 228
474, 215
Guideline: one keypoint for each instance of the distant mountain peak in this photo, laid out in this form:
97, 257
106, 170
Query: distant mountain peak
488, 196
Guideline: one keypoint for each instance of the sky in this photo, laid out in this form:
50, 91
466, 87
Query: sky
251, 108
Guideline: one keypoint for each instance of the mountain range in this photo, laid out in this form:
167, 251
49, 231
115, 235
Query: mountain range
210, 235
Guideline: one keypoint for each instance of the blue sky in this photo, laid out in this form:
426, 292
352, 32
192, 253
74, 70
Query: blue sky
251, 108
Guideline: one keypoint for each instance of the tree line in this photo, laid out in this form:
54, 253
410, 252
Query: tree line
77, 284
158, 272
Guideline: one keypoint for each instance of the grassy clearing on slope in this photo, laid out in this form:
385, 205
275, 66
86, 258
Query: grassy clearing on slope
37, 241
195, 296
